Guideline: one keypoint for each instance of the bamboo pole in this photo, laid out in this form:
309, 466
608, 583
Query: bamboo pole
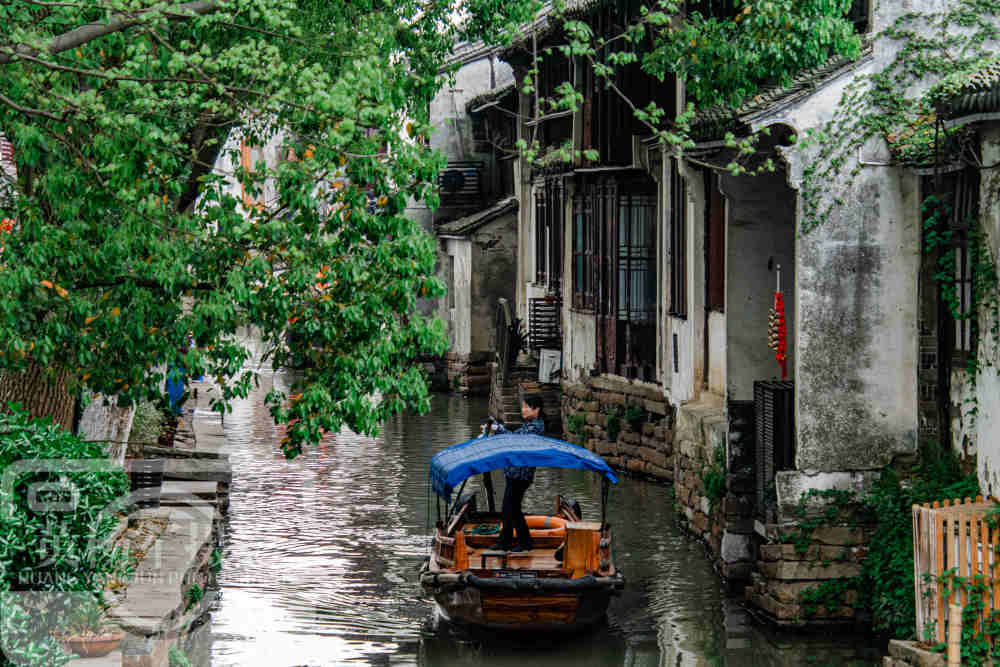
954, 635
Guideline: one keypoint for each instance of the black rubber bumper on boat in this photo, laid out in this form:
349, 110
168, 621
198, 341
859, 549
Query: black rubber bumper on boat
436, 580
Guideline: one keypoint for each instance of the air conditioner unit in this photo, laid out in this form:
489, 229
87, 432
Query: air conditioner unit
460, 185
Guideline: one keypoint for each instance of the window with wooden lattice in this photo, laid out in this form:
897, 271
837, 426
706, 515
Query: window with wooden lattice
549, 233
614, 272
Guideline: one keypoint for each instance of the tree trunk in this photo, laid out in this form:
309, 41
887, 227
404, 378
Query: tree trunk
38, 395
103, 420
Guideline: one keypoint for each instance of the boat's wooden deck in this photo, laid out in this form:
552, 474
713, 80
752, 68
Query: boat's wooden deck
539, 558
536, 559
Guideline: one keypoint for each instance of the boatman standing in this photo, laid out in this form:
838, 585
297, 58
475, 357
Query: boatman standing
517, 480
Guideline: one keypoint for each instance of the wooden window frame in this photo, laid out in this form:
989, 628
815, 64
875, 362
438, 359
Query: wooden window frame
678, 244
584, 270
549, 233
715, 244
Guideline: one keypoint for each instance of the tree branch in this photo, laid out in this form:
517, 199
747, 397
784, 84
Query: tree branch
142, 282
31, 112
91, 31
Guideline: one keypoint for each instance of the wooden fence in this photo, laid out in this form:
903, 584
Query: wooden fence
953, 536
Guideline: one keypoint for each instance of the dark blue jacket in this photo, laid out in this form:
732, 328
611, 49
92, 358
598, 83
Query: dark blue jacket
536, 427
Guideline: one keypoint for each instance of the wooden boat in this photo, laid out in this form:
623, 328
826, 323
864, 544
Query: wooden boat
564, 584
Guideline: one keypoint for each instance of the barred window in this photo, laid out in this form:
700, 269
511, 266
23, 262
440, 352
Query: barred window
584, 246
614, 270
636, 258
549, 233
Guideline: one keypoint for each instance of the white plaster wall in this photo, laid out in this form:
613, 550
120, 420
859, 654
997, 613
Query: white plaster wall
857, 275
856, 379
526, 212
460, 317
987, 426
695, 181
963, 413
760, 226
447, 110
686, 380
717, 352
579, 350
492, 249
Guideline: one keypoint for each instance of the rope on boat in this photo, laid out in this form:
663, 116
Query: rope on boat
484, 529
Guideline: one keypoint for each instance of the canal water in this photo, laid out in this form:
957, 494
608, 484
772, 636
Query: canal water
321, 557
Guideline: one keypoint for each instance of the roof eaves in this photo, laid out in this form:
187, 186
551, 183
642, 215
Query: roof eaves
543, 25
468, 52
471, 223
714, 122
969, 96
489, 96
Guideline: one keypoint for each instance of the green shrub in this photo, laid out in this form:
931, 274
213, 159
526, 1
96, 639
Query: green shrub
713, 478
193, 595
215, 564
613, 426
59, 503
887, 572
634, 415
178, 658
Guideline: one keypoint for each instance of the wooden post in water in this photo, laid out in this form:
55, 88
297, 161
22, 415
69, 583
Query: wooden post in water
954, 635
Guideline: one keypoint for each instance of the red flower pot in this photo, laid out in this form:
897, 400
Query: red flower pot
96, 645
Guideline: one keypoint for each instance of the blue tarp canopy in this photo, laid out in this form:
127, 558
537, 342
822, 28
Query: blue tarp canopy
452, 466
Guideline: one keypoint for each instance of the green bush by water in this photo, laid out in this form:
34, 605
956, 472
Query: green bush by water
60, 501
886, 582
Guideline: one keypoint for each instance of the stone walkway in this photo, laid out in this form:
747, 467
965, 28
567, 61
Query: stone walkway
155, 608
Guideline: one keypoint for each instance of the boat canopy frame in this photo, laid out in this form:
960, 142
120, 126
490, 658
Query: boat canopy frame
453, 466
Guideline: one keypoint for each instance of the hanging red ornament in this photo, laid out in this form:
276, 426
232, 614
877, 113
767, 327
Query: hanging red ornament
781, 350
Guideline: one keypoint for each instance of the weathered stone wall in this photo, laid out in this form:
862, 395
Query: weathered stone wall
646, 447
494, 272
723, 520
468, 374
785, 572
987, 423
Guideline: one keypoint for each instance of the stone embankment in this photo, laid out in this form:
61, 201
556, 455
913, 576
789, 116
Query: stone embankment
595, 416
176, 546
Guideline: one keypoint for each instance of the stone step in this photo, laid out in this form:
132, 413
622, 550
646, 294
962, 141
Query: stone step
189, 493
202, 470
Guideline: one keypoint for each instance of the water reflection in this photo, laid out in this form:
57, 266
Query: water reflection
321, 560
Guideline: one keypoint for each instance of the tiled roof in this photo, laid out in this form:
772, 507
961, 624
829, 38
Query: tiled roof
714, 122
467, 52
969, 93
471, 223
489, 96
543, 23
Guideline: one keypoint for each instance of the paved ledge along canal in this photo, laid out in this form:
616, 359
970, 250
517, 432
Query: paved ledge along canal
320, 564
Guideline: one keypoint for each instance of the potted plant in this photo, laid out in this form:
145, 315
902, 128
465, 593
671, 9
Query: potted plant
87, 634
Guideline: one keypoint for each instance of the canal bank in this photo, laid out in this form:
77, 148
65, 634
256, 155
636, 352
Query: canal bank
321, 555
175, 544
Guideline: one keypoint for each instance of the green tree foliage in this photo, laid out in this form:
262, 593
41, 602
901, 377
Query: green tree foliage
725, 51
128, 246
57, 512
